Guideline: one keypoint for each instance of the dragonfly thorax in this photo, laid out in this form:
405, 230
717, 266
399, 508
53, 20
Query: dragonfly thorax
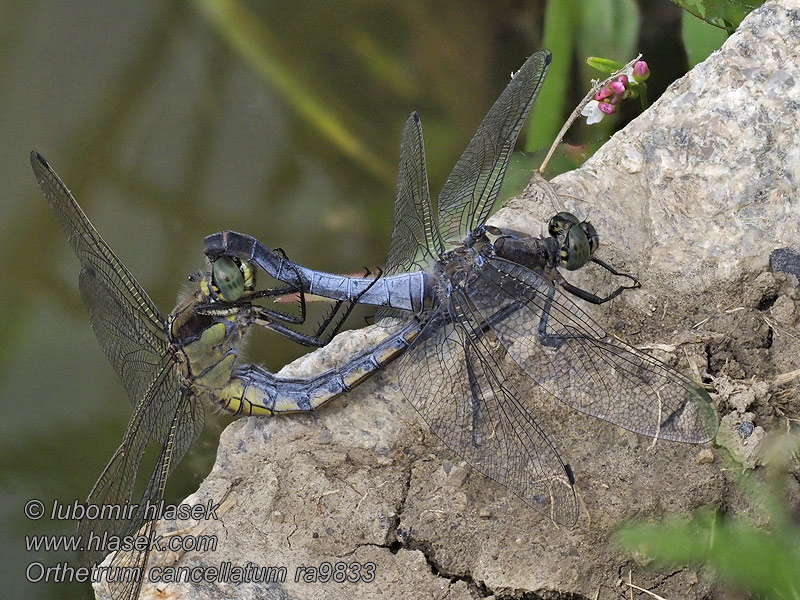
570, 245
535, 253
455, 269
207, 338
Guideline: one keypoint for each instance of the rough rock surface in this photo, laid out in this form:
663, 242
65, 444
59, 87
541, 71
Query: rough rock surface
692, 197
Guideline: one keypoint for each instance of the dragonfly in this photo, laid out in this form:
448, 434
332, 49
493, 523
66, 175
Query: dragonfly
172, 366
476, 295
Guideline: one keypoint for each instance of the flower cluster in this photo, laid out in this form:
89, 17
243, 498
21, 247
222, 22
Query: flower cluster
629, 84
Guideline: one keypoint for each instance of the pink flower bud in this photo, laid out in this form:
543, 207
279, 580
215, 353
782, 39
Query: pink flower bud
605, 92
607, 108
623, 79
641, 71
617, 86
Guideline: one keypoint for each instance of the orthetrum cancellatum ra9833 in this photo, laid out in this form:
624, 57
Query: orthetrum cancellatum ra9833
465, 296
171, 366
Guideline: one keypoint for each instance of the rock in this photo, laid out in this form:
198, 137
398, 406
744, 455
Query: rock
784, 311
705, 456
740, 395
786, 260
742, 438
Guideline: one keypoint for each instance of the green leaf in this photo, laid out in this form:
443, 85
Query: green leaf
604, 65
725, 14
763, 562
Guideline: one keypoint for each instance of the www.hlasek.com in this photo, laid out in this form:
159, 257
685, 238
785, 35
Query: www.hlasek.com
105, 543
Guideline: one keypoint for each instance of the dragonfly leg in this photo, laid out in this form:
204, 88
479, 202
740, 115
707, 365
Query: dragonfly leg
350, 306
548, 339
266, 318
474, 389
593, 298
282, 291
555, 341
269, 318
291, 266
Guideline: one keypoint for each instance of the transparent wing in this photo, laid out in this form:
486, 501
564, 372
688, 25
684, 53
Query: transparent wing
132, 333
416, 243
127, 323
569, 355
472, 187
415, 240
184, 420
116, 483
185, 428
452, 377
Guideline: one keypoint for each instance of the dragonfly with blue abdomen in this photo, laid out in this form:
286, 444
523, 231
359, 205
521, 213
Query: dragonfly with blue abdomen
475, 294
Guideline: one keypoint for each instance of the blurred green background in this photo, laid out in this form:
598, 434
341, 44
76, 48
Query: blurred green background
173, 120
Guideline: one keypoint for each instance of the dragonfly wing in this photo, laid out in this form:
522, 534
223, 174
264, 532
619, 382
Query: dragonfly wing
133, 334
185, 427
129, 327
415, 240
453, 378
569, 355
132, 346
469, 193
115, 487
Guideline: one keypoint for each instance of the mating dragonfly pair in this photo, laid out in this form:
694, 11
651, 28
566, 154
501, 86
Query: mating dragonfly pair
458, 299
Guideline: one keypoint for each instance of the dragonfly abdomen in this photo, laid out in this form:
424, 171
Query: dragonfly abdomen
252, 390
411, 292
405, 291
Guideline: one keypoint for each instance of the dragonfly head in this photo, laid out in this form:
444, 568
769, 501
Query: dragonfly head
231, 279
580, 239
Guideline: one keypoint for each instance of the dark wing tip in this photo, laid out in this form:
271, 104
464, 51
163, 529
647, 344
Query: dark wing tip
38, 160
548, 56
42, 170
415, 116
570, 474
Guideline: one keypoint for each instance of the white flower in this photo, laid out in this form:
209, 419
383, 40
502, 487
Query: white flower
592, 112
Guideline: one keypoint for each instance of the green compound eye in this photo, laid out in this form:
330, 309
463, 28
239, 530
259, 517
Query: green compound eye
576, 250
561, 222
591, 234
228, 278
